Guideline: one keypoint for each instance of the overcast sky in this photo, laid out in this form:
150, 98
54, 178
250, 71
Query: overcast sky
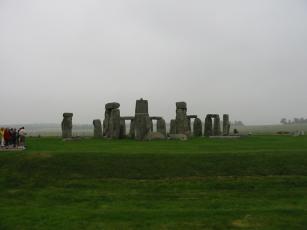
247, 58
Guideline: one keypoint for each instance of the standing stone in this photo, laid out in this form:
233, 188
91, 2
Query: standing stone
142, 120
197, 127
67, 125
151, 125
189, 125
106, 122
217, 126
182, 122
114, 126
226, 125
141, 106
122, 132
142, 126
132, 129
97, 128
208, 126
172, 127
161, 126
111, 123
181, 105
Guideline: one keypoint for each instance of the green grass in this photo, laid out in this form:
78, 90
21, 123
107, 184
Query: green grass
257, 182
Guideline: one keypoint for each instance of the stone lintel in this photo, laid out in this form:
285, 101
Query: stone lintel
127, 118
68, 114
181, 105
155, 118
212, 115
191, 116
112, 105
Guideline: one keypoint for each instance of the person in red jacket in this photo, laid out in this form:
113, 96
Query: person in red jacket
7, 137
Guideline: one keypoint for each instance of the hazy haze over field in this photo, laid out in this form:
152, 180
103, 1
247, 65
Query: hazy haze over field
242, 57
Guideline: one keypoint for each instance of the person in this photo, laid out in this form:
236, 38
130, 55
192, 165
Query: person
11, 137
17, 137
14, 137
2, 137
7, 137
22, 136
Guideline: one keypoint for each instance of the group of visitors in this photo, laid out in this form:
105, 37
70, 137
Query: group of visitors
12, 138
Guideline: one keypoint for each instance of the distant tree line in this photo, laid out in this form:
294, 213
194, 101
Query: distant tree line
284, 121
237, 123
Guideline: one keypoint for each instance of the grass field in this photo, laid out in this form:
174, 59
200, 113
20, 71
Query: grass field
257, 182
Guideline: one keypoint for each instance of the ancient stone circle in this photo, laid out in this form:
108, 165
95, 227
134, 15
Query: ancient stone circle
141, 124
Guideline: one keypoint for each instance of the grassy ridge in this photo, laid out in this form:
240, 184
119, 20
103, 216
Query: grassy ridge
251, 183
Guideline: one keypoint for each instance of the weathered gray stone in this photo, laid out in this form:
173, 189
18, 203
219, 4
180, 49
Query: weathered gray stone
114, 125
127, 118
143, 122
112, 105
67, 125
191, 116
172, 127
208, 126
97, 128
226, 125
217, 126
141, 106
122, 131
132, 129
183, 125
197, 127
189, 125
155, 136
142, 126
181, 137
181, 105
68, 115
106, 123
151, 125
155, 118
161, 126
111, 122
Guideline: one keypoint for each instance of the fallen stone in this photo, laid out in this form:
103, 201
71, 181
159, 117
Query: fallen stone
154, 136
181, 137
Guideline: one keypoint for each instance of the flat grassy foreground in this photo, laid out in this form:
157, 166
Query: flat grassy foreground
257, 182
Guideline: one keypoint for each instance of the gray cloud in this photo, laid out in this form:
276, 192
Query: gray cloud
246, 58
